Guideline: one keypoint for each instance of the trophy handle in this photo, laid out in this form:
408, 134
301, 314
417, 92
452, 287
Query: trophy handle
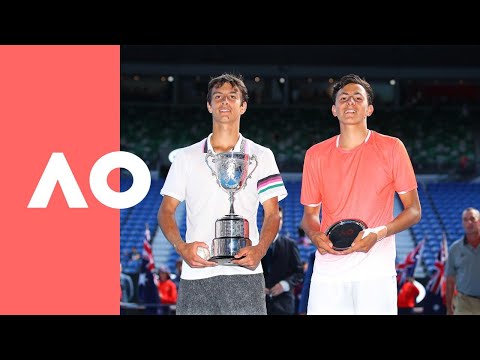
209, 154
253, 157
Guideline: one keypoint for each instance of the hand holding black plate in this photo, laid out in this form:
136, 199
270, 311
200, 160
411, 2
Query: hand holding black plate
343, 232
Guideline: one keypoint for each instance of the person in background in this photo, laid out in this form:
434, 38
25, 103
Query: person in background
178, 271
302, 239
463, 268
302, 304
283, 270
127, 290
407, 297
166, 289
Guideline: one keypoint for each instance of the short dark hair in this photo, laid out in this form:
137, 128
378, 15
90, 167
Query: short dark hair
353, 79
234, 80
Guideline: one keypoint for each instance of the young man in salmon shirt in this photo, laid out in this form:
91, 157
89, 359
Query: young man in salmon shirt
355, 175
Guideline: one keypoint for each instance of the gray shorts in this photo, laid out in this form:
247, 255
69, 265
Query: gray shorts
222, 295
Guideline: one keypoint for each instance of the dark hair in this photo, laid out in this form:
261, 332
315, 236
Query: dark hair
164, 269
234, 80
353, 79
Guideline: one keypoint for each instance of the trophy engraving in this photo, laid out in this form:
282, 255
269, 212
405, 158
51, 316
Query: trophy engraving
232, 230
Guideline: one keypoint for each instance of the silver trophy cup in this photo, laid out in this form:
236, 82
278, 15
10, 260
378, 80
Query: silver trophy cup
232, 230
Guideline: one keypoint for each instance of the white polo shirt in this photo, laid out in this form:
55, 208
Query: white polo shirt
190, 179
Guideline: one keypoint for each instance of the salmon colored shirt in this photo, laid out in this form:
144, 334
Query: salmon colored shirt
357, 184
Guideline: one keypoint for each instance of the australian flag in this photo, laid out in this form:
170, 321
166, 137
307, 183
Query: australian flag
436, 287
406, 269
147, 280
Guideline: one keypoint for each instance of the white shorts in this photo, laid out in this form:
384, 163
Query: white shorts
365, 297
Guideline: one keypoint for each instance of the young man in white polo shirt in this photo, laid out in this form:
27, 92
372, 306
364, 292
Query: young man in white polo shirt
206, 287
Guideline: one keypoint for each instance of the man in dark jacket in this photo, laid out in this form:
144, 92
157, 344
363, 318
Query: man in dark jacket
283, 270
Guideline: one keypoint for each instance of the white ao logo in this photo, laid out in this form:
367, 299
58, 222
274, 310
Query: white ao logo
58, 169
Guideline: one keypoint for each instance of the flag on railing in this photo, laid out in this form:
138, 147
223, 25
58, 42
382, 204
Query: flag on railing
406, 269
436, 287
148, 279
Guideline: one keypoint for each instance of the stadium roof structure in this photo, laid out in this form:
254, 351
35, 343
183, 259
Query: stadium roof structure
309, 55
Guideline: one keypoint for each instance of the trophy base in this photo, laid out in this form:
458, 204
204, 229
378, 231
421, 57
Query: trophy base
225, 249
223, 260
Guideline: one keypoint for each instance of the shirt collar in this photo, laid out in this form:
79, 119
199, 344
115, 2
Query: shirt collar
208, 145
366, 139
